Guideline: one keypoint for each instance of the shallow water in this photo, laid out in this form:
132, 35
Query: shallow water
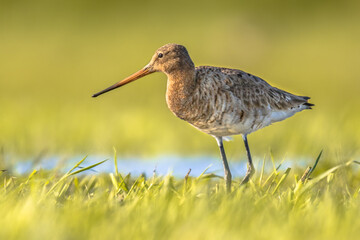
178, 166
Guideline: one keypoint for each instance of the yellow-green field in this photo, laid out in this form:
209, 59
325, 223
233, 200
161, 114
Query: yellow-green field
55, 54
278, 205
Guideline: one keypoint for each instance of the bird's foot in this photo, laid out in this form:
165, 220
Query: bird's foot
248, 175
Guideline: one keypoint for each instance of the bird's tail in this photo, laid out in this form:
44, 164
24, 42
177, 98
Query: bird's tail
307, 104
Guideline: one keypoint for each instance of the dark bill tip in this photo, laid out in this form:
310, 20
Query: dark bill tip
141, 73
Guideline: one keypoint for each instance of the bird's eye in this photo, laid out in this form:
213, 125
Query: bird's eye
160, 55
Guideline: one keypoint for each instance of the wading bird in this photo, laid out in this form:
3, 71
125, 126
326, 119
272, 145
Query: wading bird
218, 101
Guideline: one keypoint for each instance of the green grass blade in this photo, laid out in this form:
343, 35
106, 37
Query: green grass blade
283, 177
262, 171
115, 163
133, 186
122, 184
31, 175
268, 179
315, 164
278, 167
207, 168
114, 181
273, 161
76, 165
87, 168
69, 173
322, 176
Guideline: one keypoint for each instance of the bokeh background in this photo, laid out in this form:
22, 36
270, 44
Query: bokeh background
55, 54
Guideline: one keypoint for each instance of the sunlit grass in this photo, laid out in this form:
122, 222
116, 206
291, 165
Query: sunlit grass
55, 54
282, 204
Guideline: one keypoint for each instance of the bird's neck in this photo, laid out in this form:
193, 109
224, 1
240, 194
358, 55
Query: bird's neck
180, 89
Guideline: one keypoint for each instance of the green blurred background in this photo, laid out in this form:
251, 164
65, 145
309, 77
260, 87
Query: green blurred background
55, 54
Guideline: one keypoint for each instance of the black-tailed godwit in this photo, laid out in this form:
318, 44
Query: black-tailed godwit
218, 101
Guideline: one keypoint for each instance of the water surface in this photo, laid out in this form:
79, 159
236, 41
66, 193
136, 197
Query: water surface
178, 166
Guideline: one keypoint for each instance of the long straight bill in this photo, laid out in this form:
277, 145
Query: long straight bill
143, 72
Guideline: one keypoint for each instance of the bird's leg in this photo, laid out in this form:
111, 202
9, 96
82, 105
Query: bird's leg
227, 172
250, 169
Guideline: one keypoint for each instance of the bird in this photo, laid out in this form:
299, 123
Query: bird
218, 101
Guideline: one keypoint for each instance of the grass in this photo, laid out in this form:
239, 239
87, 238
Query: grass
282, 204
55, 55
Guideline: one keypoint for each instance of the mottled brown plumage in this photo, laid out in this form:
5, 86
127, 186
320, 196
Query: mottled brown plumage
227, 102
218, 101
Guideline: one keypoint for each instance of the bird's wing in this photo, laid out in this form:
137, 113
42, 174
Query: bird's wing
255, 93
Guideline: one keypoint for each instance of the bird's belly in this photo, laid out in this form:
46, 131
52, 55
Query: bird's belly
233, 125
229, 125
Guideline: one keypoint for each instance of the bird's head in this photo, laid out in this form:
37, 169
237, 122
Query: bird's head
167, 59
